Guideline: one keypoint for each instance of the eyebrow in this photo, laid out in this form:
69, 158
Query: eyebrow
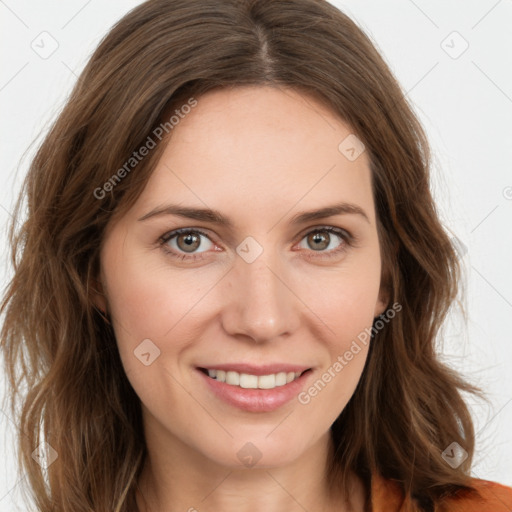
215, 217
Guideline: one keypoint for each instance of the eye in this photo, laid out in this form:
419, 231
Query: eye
183, 243
321, 238
186, 240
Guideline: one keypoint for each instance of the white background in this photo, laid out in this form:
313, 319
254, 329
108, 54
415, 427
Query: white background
465, 104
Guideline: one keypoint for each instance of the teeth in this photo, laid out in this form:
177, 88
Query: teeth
247, 381
281, 378
233, 378
267, 381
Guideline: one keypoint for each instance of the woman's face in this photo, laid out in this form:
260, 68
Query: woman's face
263, 294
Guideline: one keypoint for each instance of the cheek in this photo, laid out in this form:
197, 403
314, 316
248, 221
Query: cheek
351, 310
327, 395
345, 299
347, 309
147, 300
146, 303
146, 309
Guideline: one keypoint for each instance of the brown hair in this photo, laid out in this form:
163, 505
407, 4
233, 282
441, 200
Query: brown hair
407, 407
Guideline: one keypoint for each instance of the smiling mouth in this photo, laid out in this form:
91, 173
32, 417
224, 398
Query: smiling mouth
248, 381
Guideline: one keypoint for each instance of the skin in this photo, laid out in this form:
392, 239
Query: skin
259, 155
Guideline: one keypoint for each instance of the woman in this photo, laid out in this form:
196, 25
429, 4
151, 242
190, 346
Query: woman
184, 342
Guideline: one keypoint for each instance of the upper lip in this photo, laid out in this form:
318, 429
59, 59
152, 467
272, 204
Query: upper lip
252, 369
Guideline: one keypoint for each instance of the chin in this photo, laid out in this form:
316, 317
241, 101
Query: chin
258, 451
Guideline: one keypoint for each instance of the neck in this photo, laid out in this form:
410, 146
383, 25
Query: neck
177, 479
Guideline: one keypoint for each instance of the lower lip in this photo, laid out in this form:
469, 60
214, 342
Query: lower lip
256, 400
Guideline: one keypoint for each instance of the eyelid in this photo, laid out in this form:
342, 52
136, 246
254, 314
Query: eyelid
327, 227
349, 240
180, 231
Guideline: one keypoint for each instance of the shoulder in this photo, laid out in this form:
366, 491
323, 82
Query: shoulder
492, 497
387, 496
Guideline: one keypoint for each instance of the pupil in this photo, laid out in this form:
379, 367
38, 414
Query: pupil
190, 240
319, 239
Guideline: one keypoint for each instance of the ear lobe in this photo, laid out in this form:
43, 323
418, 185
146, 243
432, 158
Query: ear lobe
97, 294
382, 301
389, 255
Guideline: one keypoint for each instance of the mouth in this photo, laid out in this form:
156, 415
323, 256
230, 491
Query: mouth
251, 381
256, 389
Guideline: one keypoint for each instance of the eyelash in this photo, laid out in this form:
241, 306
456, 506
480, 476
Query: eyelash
348, 241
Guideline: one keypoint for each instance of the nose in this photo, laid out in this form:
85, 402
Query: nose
262, 304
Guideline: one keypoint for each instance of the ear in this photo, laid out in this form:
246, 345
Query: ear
389, 254
382, 301
97, 294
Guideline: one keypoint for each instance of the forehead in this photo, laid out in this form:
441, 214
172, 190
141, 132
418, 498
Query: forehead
257, 149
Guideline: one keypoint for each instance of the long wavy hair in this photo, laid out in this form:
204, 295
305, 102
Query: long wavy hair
67, 384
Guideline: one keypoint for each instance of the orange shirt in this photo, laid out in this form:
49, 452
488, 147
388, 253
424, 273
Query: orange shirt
387, 497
